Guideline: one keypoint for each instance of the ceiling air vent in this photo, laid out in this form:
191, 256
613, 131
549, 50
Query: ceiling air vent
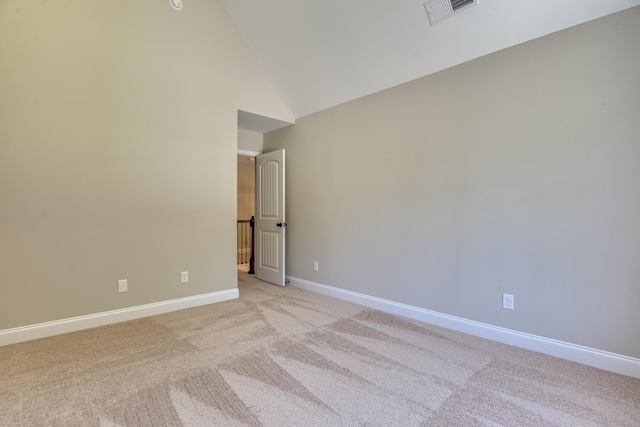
437, 10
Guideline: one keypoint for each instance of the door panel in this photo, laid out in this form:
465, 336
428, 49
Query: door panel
270, 217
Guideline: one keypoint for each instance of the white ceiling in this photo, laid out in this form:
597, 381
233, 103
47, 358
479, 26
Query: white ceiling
325, 52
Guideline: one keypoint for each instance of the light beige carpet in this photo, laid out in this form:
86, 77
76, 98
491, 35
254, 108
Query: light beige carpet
287, 357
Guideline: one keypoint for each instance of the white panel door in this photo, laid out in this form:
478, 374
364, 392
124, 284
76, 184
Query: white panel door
270, 218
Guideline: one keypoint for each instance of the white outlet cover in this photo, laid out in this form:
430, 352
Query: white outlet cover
184, 277
508, 301
176, 4
123, 285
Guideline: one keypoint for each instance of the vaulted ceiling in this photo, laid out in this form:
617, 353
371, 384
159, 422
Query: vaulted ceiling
325, 52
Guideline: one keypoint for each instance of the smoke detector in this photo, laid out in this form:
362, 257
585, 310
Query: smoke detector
176, 4
438, 10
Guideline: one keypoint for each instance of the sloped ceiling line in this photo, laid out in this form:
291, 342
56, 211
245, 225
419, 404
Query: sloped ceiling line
323, 53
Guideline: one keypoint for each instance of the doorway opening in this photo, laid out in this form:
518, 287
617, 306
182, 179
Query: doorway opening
246, 210
251, 130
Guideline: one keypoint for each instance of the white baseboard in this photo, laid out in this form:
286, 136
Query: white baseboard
63, 326
612, 362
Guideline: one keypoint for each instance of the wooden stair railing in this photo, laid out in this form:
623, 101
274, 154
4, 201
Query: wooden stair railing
245, 242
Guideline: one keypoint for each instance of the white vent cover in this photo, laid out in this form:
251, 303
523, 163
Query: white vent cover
437, 10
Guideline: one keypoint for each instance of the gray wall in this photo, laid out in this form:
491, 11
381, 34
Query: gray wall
250, 141
518, 172
118, 141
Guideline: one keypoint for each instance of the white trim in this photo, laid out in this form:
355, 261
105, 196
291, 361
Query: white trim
613, 362
248, 153
63, 326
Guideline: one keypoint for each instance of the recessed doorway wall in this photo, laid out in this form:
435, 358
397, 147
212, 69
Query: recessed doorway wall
246, 187
246, 207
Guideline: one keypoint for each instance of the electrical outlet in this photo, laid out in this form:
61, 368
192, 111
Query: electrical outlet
508, 301
184, 277
315, 265
123, 285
